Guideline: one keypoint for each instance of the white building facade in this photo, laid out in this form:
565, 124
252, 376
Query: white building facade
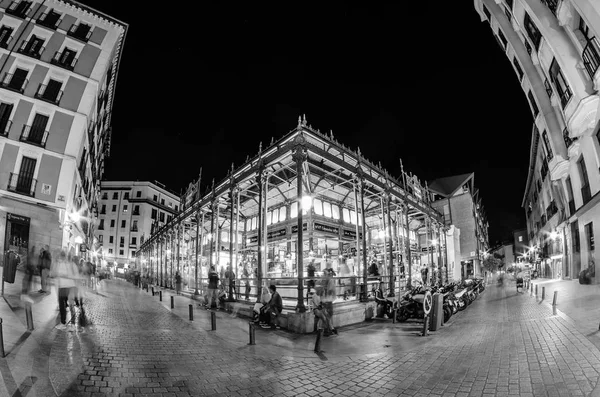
128, 212
553, 48
59, 62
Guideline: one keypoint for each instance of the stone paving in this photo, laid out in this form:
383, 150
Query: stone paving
505, 343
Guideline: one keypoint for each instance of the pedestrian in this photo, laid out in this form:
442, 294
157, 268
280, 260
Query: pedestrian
64, 272
213, 285
27, 284
178, 282
274, 307
44, 265
260, 315
323, 319
329, 294
230, 281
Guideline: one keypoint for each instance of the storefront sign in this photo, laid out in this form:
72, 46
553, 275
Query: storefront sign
253, 239
351, 234
23, 220
295, 228
276, 233
326, 228
431, 248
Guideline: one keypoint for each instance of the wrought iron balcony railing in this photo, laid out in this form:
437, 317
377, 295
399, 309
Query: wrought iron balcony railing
568, 140
34, 136
19, 8
63, 61
22, 183
14, 83
552, 5
5, 127
134, 229
50, 20
591, 57
80, 32
48, 96
31, 50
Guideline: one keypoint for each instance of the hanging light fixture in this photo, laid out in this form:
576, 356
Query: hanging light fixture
306, 202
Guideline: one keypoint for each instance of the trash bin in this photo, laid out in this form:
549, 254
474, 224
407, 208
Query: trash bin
11, 261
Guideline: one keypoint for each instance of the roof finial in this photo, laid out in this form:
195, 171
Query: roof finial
304, 120
299, 121
331, 134
232, 167
359, 151
260, 147
272, 140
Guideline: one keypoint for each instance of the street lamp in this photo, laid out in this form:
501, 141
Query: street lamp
306, 202
553, 235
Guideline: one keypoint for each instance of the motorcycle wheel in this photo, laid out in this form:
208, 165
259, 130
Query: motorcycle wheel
401, 315
447, 314
462, 307
454, 309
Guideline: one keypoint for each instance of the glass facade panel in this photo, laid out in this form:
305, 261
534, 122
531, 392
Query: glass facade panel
318, 206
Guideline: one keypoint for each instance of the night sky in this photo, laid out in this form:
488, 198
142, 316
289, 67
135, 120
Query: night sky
206, 83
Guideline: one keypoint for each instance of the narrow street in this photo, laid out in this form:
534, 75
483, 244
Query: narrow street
505, 343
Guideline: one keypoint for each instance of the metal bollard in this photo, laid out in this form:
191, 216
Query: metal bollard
152, 291
394, 316
191, 313
425, 326
554, 299
160, 295
543, 292
251, 330
213, 321
536, 290
1, 341
318, 341
172, 302
29, 317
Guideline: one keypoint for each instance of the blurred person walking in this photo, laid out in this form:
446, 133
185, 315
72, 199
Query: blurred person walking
44, 265
64, 272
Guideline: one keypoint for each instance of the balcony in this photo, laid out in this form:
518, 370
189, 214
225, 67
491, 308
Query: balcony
5, 38
32, 49
552, 5
14, 83
22, 183
52, 96
591, 57
5, 127
50, 20
101, 227
548, 88
136, 213
19, 9
34, 136
80, 32
133, 229
62, 59
568, 140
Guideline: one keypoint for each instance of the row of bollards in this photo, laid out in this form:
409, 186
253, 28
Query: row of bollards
554, 298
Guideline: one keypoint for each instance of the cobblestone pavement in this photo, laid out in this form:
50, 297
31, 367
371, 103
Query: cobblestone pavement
505, 343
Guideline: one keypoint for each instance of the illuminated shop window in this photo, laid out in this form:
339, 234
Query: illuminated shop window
282, 214
327, 209
335, 212
294, 210
346, 215
318, 206
269, 214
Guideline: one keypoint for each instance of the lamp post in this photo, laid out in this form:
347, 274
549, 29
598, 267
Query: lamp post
299, 156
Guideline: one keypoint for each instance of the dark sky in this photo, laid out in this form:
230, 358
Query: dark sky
205, 85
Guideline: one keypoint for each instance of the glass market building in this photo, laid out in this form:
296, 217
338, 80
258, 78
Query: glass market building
350, 215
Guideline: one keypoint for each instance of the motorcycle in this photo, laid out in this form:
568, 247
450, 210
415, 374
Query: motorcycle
411, 305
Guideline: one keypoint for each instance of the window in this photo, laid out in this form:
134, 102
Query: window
103, 210
162, 216
125, 209
169, 217
121, 252
136, 210
50, 92
134, 227
133, 240
346, 215
5, 36
121, 241
487, 13
110, 251
66, 59
115, 196
269, 216
132, 253
575, 236
111, 239
353, 217
154, 213
101, 238
508, 13
5, 123
589, 235
318, 206
532, 31
294, 210
585, 182
138, 193
502, 39
17, 80
155, 198
518, 68
584, 28
335, 212
123, 222
170, 205
547, 145
327, 209
534, 107
112, 223
19, 9
126, 196
520, 239
562, 88
36, 133
81, 31
101, 225
162, 201
282, 214
570, 195
50, 19
114, 208
176, 208
32, 47
509, 3
105, 196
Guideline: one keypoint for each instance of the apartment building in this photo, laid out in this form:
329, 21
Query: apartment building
129, 211
59, 62
457, 198
553, 49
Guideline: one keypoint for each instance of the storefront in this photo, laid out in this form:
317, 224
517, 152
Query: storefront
353, 214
